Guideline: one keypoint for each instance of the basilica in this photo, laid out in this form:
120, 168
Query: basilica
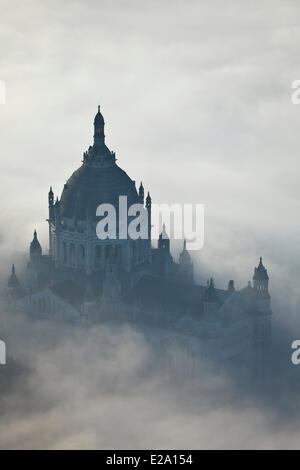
87, 280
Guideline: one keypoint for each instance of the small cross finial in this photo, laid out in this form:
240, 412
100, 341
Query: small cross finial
98, 108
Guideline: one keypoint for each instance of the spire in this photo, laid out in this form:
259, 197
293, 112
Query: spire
35, 247
141, 193
99, 136
260, 273
186, 267
210, 292
13, 280
148, 201
50, 197
261, 281
164, 234
164, 241
184, 257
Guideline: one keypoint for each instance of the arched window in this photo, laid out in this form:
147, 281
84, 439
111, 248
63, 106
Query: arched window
107, 252
133, 252
81, 255
65, 252
98, 253
72, 254
139, 249
118, 253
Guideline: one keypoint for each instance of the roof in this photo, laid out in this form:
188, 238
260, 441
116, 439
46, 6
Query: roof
70, 292
184, 256
89, 186
13, 281
211, 294
260, 273
35, 246
99, 120
176, 297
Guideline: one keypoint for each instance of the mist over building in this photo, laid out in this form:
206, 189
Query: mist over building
197, 104
86, 280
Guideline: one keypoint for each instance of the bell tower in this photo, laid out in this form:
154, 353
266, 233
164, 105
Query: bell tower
35, 250
261, 281
186, 268
261, 322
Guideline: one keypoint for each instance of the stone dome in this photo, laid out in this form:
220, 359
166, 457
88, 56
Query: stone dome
99, 180
90, 186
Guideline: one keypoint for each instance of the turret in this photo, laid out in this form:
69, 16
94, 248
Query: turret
211, 302
164, 241
51, 205
186, 267
164, 256
13, 288
51, 218
13, 281
148, 202
261, 281
231, 287
261, 321
99, 154
99, 136
50, 197
141, 194
35, 247
148, 207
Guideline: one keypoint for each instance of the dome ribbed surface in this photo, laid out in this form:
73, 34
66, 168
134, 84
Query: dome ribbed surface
90, 186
